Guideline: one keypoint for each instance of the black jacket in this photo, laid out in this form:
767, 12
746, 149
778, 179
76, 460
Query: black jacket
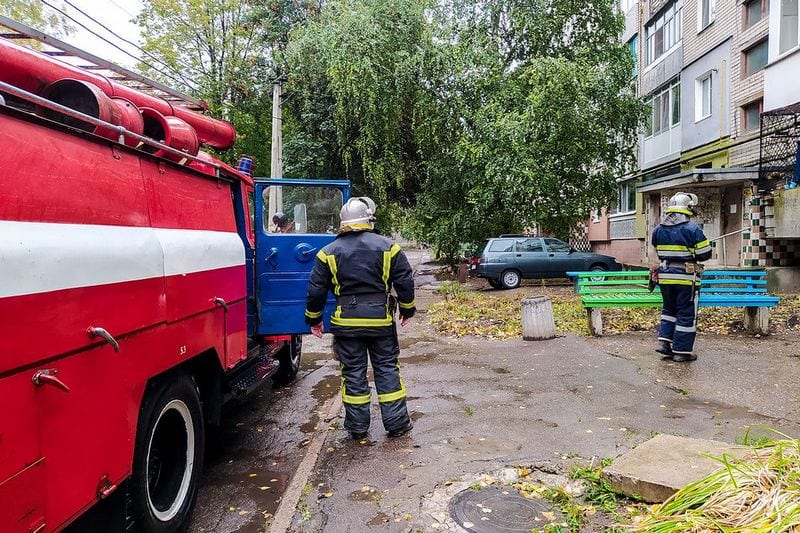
360, 268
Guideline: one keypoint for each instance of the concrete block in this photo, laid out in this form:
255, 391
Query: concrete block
660, 467
756, 320
595, 321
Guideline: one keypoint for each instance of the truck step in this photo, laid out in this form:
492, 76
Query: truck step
245, 379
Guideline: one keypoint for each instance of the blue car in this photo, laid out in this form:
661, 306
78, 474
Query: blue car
504, 261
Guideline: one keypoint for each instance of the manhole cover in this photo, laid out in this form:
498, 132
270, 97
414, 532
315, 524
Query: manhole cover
500, 510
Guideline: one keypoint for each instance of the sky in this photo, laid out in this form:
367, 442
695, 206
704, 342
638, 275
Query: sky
115, 15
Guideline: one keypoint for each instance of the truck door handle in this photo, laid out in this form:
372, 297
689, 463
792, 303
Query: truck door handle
519, 255
101, 332
273, 252
222, 303
552, 255
47, 376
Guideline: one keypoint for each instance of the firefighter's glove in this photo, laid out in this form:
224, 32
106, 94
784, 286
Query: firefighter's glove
653, 281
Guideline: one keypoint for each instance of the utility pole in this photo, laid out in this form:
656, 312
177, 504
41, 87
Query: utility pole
276, 160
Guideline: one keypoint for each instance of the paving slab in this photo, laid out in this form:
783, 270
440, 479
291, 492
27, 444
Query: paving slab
661, 466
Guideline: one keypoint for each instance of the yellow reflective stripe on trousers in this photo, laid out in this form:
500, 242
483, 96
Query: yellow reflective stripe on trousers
310, 314
352, 399
407, 305
393, 396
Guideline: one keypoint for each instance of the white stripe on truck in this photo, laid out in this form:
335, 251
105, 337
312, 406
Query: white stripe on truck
40, 257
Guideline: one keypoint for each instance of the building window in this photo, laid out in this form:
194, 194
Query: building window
702, 97
626, 200
663, 31
665, 109
754, 11
755, 58
633, 46
705, 14
752, 116
788, 26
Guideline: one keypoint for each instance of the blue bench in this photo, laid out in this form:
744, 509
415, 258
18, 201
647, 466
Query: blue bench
718, 288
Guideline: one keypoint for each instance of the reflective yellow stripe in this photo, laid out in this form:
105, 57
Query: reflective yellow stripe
702, 244
331, 260
662, 281
354, 227
394, 250
672, 247
387, 265
407, 306
393, 396
355, 400
361, 322
681, 210
310, 314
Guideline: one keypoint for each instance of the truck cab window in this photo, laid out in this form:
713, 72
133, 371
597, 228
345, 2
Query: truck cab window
298, 209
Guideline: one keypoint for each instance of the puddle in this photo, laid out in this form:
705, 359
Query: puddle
365, 494
420, 358
416, 415
326, 388
501, 371
411, 341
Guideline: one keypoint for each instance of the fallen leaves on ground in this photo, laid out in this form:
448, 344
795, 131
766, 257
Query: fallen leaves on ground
499, 317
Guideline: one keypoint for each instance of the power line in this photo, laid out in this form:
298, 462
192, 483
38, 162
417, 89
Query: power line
184, 81
131, 15
109, 30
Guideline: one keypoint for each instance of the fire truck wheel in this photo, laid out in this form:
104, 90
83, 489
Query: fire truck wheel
289, 357
168, 460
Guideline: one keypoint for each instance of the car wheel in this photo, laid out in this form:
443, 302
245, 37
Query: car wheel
598, 268
168, 457
494, 283
289, 359
510, 279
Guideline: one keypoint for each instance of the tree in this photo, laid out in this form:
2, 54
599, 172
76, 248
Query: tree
226, 52
542, 113
33, 14
358, 100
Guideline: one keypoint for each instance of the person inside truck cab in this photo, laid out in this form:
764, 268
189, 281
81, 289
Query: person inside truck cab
281, 223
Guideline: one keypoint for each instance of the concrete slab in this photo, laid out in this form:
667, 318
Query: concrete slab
659, 467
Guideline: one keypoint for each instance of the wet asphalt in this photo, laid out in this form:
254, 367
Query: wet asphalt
480, 405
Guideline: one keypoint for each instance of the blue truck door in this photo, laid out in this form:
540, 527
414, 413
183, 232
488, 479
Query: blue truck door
286, 250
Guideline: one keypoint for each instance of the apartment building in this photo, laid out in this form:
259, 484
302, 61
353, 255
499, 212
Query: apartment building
708, 70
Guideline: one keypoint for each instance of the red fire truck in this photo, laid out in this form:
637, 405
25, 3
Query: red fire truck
141, 287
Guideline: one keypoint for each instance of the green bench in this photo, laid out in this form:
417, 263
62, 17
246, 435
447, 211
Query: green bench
718, 288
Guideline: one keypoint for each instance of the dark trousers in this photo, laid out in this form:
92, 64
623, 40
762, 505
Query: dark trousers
383, 351
678, 324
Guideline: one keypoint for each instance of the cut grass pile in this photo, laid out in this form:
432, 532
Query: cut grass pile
465, 312
757, 494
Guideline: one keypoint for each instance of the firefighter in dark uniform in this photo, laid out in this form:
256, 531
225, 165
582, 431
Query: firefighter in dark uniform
680, 244
361, 267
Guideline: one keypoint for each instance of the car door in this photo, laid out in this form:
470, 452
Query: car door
530, 257
286, 251
560, 258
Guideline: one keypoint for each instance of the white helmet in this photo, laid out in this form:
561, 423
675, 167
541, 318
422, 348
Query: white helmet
358, 213
682, 202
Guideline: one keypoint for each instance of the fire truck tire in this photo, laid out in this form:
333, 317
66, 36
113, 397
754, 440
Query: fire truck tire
168, 460
289, 358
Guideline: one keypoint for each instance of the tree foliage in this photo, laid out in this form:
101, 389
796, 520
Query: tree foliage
33, 14
465, 118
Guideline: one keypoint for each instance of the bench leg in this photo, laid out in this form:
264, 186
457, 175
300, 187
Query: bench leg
595, 321
756, 320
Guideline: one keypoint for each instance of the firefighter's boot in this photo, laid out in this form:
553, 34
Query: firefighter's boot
665, 349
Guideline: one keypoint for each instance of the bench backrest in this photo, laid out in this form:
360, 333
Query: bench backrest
734, 282
626, 281
635, 281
